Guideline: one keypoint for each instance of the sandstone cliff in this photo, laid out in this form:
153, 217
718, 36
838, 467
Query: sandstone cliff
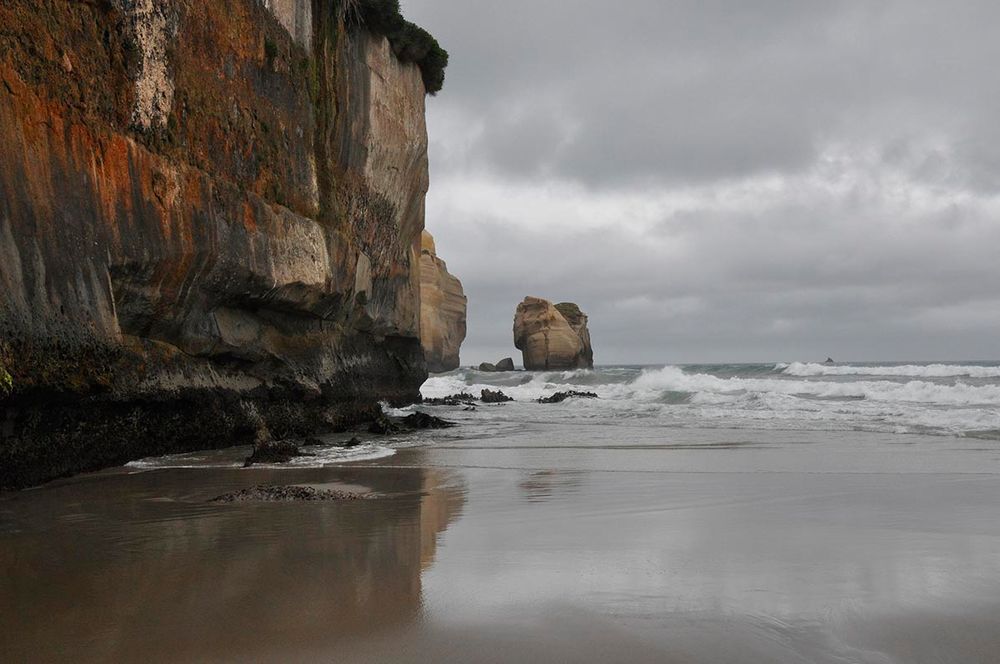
552, 336
442, 310
210, 219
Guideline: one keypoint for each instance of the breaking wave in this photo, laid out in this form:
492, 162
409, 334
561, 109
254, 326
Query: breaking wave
916, 391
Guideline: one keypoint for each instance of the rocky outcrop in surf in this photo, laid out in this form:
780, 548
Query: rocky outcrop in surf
442, 310
210, 225
552, 336
559, 397
494, 396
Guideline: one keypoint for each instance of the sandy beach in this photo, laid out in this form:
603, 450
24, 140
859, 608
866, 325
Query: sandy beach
534, 543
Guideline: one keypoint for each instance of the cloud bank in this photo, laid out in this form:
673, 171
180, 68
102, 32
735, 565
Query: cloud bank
719, 181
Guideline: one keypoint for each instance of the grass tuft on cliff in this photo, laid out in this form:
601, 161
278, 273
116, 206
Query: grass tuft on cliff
410, 42
569, 310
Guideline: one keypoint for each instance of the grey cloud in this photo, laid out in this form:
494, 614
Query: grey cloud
693, 89
877, 121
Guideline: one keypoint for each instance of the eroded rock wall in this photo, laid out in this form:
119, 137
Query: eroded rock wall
210, 219
442, 310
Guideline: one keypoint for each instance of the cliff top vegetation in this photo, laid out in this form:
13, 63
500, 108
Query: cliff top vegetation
569, 309
410, 42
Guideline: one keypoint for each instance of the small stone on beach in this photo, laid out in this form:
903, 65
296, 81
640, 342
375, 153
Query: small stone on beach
289, 493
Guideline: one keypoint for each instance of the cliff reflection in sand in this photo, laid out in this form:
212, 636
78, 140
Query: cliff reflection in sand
141, 567
542, 485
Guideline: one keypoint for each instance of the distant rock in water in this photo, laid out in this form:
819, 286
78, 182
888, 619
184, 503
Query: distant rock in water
506, 364
559, 397
442, 310
552, 336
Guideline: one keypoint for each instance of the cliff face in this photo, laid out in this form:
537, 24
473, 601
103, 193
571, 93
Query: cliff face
552, 336
442, 310
210, 219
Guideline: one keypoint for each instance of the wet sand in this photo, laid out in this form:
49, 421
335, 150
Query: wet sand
530, 544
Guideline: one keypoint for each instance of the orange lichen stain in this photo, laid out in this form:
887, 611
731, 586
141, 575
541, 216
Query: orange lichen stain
249, 217
26, 126
111, 186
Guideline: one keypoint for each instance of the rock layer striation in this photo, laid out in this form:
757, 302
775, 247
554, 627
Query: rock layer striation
210, 221
442, 310
552, 336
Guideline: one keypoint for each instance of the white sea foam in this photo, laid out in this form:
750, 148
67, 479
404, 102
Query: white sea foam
395, 412
155, 463
444, 385
916, 391
332, 455
318, 455
903, 370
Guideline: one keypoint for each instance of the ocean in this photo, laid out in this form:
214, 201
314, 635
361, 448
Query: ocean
960, 399
783, 512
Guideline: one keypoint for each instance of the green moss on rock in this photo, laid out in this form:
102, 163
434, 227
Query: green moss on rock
569, 310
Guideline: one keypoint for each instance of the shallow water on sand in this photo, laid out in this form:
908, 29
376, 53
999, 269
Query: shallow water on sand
520, 537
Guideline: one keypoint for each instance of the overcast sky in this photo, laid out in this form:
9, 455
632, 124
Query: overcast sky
723, 180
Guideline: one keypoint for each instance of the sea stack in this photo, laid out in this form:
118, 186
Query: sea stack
442, 310
552, 336
210, 225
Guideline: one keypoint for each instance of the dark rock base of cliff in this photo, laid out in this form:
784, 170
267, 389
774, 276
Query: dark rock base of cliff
43, 439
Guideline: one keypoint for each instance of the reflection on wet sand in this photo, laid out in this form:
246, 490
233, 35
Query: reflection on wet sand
845, 553
141, 567
543, 485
